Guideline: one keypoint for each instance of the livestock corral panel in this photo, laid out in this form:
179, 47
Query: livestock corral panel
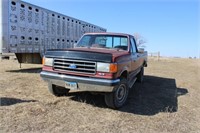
29, 29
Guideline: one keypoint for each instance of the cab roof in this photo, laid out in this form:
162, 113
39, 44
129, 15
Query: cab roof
108, 33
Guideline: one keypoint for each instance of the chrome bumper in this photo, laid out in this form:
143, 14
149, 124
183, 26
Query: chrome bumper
84, 83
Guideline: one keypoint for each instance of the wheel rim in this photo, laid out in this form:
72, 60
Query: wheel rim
121, 93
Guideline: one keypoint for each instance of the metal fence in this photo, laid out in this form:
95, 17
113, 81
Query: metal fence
154, 54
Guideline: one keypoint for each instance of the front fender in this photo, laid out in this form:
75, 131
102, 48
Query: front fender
123, 72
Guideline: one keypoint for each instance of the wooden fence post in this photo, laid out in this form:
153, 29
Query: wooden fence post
158, 55
0, 57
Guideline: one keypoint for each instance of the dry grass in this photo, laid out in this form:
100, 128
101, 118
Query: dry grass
167, 101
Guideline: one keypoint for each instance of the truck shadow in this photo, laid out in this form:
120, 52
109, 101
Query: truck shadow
96, 100
28, 70
154, 95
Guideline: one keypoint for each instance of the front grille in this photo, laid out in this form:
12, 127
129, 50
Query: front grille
77, 66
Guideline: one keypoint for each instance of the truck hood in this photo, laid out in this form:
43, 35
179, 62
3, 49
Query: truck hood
90, 54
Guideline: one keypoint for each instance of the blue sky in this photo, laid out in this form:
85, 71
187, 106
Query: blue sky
169, 26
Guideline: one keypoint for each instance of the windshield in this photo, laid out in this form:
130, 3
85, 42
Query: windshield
104, 41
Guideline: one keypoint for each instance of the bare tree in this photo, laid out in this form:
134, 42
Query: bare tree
140, 40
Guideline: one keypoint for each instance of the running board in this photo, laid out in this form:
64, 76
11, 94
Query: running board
132, 83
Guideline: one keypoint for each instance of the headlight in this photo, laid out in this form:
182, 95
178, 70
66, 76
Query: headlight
106, 67
47, 61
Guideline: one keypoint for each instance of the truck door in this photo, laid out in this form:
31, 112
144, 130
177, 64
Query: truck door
134, 58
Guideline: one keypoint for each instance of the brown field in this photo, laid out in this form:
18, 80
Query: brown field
167, 101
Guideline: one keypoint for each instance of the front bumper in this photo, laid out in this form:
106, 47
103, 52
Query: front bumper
84, 83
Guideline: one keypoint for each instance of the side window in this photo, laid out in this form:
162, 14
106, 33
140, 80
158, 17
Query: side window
134, 49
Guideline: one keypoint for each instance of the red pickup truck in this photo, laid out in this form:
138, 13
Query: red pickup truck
108, 63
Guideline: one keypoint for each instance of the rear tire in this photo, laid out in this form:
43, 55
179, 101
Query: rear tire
140, 76
57, 90
117, 98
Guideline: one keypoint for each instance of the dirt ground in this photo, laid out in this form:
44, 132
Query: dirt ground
167, 101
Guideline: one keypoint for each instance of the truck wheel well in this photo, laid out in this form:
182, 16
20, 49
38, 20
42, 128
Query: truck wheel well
124, 75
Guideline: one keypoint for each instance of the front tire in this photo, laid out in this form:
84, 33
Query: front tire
117, 98
57, 90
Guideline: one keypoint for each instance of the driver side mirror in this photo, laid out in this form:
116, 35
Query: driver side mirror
141, 50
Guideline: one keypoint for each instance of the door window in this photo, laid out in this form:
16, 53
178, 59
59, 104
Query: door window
134, 49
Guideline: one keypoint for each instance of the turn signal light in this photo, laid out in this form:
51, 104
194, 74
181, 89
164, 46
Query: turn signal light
113, 68
43, 61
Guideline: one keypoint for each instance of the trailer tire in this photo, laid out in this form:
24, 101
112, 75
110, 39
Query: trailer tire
57, 90
117, 98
